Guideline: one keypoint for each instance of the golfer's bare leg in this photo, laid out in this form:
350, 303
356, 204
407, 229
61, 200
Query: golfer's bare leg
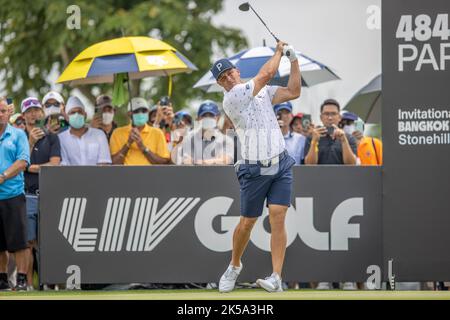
241, 236
277, 216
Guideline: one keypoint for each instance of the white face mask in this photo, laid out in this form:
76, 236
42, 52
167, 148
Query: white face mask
349, 129
107, 117
208, 123
51, 111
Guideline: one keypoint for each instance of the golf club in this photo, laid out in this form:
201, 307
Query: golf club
245, 6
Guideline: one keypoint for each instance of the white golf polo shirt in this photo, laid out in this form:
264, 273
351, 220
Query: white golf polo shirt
255, 121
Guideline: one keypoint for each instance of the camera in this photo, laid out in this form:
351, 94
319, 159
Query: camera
306, 121
164, 101
330, 131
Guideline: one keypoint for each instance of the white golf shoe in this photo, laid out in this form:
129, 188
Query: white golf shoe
271, 284
228, 279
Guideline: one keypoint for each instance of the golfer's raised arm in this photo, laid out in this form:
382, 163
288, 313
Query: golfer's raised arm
293, 89
268, 70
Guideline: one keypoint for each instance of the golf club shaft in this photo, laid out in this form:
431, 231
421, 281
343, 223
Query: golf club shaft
265, 25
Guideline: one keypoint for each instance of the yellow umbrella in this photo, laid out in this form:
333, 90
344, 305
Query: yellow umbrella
139, 57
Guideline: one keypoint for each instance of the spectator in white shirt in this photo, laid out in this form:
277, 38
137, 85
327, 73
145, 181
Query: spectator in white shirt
81, 145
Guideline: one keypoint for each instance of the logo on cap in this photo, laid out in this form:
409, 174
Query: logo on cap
219, 66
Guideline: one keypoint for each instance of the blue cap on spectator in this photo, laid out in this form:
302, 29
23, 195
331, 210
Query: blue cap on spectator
349, 116
208, 106
283, 106
182, 113
220, 67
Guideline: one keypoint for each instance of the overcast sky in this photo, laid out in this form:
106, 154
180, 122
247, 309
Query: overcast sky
334, 32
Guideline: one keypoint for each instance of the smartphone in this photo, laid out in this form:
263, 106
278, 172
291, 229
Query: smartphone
40, 123
306, 121
330, 131
62, 122
164, 101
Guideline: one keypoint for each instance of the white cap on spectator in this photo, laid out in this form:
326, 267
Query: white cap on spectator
53, 95
74, 102
138, 103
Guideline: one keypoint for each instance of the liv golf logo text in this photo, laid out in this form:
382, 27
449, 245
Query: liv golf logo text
149, 226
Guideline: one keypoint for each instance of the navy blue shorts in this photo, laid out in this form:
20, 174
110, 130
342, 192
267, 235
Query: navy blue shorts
258, 183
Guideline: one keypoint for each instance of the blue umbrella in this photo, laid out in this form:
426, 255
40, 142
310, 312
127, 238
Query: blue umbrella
249, 62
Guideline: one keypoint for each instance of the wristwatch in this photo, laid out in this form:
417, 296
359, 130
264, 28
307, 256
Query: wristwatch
146, 151
3, 175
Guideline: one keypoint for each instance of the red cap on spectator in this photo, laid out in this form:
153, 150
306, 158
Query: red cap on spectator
298, 115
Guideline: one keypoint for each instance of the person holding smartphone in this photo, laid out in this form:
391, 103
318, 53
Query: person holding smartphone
54, 110
329, 144
370, 150
104, 115
300, 123
45, 150
164, 116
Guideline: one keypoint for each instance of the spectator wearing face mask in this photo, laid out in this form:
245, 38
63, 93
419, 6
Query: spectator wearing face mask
370, 150
82, 145
104, 115
205, 145
138, 143
54, 111
295, 143
181, 126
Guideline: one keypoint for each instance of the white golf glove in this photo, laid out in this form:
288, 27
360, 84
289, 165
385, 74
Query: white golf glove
289, 52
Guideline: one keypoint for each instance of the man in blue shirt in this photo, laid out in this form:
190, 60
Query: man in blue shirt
295, 143
14, 158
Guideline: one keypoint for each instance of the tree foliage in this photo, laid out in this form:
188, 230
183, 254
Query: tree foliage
35, 40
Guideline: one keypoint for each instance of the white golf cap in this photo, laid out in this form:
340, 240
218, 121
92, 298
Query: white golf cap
53, 95
74, 102
138, 103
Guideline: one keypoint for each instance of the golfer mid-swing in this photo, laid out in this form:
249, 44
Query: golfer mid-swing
266, 169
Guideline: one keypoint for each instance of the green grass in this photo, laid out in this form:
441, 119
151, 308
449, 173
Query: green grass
239, 294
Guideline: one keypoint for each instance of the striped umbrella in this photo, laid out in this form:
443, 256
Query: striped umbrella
139, 57
249, 62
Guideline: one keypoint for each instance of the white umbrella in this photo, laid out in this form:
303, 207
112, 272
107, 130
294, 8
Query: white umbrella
249, 62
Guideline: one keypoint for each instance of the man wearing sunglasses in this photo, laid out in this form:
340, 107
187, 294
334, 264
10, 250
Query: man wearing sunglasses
138, 143
54, 110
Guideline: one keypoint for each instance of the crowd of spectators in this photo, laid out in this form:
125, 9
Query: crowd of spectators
54, 132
